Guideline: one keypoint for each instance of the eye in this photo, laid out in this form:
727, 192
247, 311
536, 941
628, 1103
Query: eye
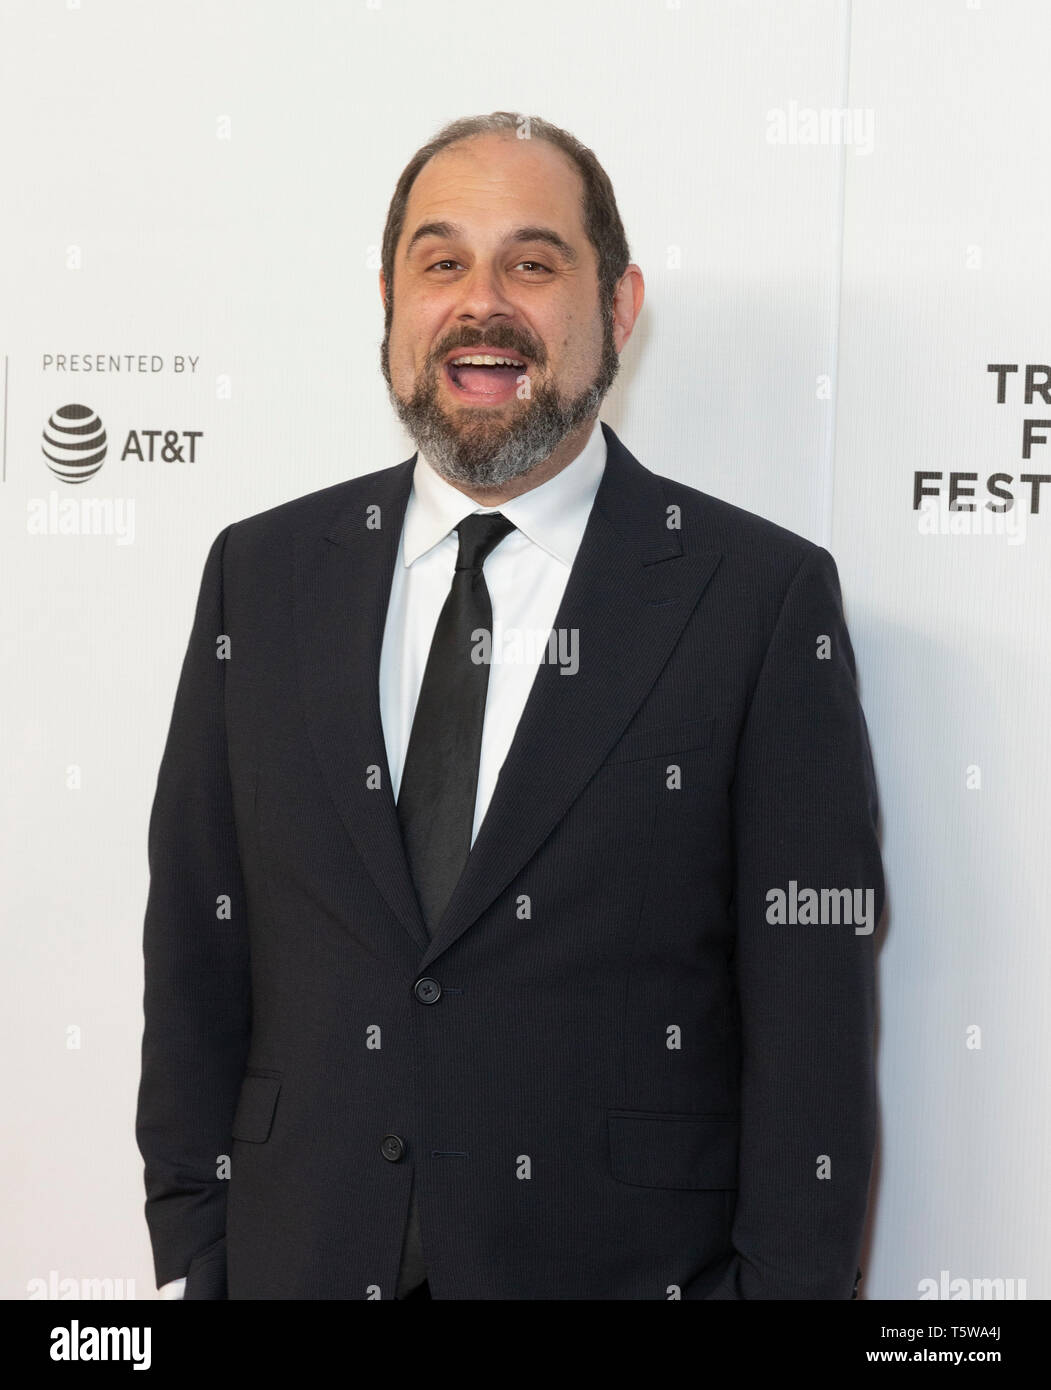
533, 266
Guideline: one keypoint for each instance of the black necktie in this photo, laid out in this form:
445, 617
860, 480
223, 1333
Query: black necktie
439, 781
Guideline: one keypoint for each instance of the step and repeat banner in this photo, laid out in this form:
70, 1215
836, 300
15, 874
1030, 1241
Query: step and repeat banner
841, 213
941, 521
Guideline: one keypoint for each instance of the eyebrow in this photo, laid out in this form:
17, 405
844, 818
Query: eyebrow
448, 231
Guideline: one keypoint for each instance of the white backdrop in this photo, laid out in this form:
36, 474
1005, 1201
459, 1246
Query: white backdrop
205, 185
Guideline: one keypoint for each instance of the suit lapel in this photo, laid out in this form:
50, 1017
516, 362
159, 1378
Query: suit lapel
629, 594
341, 586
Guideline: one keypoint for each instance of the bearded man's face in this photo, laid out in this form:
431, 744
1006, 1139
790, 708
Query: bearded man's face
493, 262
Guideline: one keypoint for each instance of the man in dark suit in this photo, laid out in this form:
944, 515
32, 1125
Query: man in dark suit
480, 966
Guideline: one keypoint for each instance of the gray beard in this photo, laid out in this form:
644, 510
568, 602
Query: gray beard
484, 453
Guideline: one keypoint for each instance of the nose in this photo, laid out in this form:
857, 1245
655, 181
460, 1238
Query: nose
483, 297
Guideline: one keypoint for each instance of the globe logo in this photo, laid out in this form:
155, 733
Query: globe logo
74, 443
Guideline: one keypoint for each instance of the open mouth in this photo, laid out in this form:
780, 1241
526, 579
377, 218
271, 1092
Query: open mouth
482, 377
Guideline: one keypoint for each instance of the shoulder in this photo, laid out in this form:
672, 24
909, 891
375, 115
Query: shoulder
758, 554
326, 509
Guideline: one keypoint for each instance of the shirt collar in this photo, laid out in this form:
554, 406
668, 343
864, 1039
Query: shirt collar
552, 515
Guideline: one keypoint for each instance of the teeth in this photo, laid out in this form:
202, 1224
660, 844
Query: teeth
484, 360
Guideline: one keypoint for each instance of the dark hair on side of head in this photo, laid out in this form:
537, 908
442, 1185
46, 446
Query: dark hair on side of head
600, 214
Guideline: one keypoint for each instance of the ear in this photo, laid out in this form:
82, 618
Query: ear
383, 289
627, 303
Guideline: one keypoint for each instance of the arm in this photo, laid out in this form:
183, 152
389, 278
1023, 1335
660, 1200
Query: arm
197, 999
805, 809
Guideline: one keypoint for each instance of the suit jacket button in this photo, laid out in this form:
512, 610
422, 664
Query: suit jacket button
427, 991
392, 1148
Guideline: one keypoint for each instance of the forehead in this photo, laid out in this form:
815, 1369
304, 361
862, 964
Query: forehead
497, 177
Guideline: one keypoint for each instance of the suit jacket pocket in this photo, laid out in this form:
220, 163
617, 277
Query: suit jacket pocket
660, 1149
667, 739
256, 1105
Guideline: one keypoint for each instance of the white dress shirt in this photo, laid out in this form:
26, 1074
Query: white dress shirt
526, 577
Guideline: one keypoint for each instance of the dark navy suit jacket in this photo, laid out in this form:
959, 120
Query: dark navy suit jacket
624, 1081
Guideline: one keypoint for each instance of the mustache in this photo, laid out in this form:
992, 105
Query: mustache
507, 342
